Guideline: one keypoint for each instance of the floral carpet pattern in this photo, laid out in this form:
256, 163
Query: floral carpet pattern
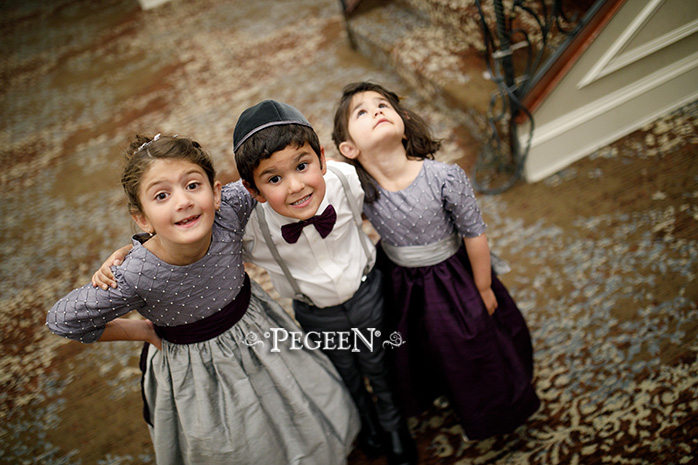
604, 254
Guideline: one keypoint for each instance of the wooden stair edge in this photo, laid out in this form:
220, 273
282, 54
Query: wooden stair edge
568, 55
451, 96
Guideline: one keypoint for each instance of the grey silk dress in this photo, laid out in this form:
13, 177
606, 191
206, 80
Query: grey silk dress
217, 392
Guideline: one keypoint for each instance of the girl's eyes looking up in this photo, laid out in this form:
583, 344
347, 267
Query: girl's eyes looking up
363, 111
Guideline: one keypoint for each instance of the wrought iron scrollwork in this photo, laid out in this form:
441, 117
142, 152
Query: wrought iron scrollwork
501, 162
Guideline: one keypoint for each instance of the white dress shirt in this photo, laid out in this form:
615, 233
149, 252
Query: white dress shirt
328, 270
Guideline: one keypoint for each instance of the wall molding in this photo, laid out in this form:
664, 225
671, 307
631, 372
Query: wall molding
634, 96
592, 110
557, 163
614, 58
649, 48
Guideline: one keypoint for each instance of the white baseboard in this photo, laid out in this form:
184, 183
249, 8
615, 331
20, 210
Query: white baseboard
568, 139
149, 4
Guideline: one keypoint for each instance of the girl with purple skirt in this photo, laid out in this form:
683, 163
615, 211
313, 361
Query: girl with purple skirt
465, 337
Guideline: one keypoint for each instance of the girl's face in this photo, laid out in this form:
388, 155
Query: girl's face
178, 203
373, 123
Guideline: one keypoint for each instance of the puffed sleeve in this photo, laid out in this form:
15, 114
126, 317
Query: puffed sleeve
236, 205
249, 238
459, 201
83, 313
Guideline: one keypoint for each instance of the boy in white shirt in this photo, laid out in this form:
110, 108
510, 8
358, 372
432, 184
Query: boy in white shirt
328, 259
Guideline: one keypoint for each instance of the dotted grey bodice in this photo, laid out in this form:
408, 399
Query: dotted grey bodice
166, 294
438, 203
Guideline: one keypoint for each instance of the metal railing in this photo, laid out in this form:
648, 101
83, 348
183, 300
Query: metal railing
518, 52
515, 62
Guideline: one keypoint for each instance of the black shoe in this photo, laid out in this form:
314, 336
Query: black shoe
401, 447
371, 445
371, 438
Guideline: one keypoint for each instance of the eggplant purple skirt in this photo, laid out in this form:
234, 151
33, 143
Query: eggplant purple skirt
483, 363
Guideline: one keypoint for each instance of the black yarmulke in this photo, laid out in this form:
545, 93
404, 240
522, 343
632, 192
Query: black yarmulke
264, 114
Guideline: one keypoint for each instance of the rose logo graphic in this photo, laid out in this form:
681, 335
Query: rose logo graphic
395, 340
251, 340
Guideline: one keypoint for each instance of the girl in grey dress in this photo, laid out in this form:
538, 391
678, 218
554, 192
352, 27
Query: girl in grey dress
214, 390
465, 336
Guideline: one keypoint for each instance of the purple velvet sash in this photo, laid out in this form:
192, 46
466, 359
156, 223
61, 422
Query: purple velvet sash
211, 326
200, 331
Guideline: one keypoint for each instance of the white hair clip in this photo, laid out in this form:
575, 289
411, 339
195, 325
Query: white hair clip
145, 144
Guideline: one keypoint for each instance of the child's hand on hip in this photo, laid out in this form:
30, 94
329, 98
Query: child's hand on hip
152, 337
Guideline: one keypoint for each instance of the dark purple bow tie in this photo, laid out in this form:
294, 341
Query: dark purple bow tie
323, 223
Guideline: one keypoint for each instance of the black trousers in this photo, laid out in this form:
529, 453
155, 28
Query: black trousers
364, 310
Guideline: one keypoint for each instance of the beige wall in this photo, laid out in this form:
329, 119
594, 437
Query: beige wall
643, 63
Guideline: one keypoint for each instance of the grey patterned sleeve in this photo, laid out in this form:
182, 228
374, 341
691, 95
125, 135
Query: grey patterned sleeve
459, 200
236, 200
84, 312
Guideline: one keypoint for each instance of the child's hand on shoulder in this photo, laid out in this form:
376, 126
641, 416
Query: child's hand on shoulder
104, 277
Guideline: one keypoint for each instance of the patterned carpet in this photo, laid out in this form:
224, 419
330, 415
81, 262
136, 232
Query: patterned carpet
604, 254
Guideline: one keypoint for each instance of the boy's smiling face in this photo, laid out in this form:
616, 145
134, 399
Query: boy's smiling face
291, 180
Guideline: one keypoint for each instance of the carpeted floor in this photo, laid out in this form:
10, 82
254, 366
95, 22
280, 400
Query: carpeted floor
604, 254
